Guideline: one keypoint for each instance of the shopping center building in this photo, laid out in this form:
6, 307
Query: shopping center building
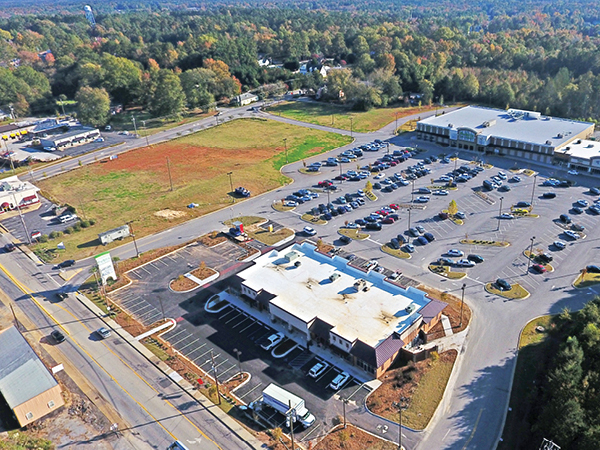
321, 299
523, 135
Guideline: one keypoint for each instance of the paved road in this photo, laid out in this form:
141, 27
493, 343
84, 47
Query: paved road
472, 413
151, 411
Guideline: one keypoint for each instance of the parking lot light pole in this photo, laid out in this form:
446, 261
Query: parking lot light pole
500, 212
351, 128
146, 130
238, 353
400, 406
344, 403
409, 210
134, 125
530, 253
230, 181
533, 191
412, 194
462, 300
396, 129
214, 368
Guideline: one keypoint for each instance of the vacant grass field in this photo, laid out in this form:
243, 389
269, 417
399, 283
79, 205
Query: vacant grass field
135, 187
339, 116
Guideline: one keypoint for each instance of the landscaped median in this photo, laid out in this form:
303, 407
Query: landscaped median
353, 233
311, 218
279, 206
535, 257
398, 253
516, 292
444, 271
586, 279
194, 279
253, 227
485, 243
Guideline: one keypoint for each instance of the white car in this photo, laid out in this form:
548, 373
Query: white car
360, 193
352, 225
460, 215
379, 176
310, 231
339, 381
455, 252
422, 199
573, 172
440, 192
445, 178
502, 175
559, 245
103, 332
572, 234
465, 263
273, 340
318, 369
100, 139
290, 203
507, 216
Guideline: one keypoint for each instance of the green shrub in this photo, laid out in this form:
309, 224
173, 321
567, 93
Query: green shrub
43, 238
54, 234
92, 222
69, 230
77, 227
84, 223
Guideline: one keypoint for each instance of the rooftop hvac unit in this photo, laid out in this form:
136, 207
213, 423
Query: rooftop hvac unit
579, 141
560, 135
548, 142
298, 263
334, 276
410, 308
450, 125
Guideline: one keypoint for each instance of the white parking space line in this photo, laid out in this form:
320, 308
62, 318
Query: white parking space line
187, 345
232, 310
195, 349
181, 340
145, 270
251, 390
162, 262
244, 329
233, 318
312, 431
202, 355
143, 307
241, 322
220, 364
182, 330
223, 372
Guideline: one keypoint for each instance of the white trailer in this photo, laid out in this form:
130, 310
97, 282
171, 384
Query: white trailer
112, 235
288, 404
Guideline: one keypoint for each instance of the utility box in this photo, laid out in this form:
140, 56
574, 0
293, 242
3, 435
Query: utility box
112, 235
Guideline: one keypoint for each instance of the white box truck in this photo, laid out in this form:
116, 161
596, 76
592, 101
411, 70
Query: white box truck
287, 404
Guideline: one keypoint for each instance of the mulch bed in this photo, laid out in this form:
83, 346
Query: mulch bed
213, 238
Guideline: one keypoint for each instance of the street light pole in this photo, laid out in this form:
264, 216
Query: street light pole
286, 153
137, 253
409, 210
500, 212
146, 130
344, 402
238, 353
462, 300
212, 359
396, 129
533, 190
530, 254
388, 147
22, 220
134, 125
412, 194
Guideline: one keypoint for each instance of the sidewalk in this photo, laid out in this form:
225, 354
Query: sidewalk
219, 414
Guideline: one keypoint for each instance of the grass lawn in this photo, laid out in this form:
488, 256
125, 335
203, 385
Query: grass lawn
147, 125
269, 238
353, 233
517, 292
278, 206
534, 347
248, 221
339, 116
315, 220
587, 280
135, 187
395, 252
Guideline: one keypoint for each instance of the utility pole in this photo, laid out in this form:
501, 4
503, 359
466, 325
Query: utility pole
214, 368
291, 417
231, 185
134, 125
462, 301
533, 190
500, 212
137, 253
530, 254
22, 220
286, 153
169, 170
412, 194
344, 403
146, 130
409, 210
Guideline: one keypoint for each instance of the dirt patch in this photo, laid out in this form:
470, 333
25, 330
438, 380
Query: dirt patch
169, 214
353, 438
212, 239
183, 283
234, 382
421, 385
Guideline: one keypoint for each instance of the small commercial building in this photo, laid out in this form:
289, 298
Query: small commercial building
245, 99
26, 384
76, 135
358, 315
520, 134
16, 193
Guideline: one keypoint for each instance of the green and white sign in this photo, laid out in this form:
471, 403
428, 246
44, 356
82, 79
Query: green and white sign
105, 267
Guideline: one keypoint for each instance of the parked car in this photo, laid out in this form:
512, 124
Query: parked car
594, 191
430, 237
318, 369
443, 215
465, 263
446, 261
559, 245
516, 179
572, 234
565, 218
593, 269
538, 268
422, 199
413, 232
309, 231
440, 192
66, 263
345, 239
455, 253
420, 229
506, 216
545, 258
273, 340
577, 227
475, 258
460, 215
549, 195
421, 240
573, 172
409, 248
373, 226
577, 210
522, 204
582, 203
503, 285
339, 381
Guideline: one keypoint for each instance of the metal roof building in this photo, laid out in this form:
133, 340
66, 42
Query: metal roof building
513, 132
28, 387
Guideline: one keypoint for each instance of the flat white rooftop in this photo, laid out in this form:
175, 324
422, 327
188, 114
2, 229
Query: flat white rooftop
524, 126
583, 150
306, 292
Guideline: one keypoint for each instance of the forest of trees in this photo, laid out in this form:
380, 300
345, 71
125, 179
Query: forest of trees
542, 56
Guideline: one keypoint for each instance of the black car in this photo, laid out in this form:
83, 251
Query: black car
523, 205
593, 269
421, 240
430, 237
548, 195
401, 238
594, 191
577, 210
373, 226
361, 222
565, 218
503, 285
376, 185
345, 239
327, 216
394, 243
66, 263
475, 258
57, 336
10, 247
545, 258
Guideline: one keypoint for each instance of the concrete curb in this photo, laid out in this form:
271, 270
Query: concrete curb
221, 416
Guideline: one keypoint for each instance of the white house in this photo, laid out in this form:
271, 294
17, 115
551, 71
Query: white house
245, 99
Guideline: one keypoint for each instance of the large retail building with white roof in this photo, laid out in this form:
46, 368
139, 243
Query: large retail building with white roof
360, 315
523, 135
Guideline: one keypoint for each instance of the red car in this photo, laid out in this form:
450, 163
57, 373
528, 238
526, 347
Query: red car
539, 268
381, 212
394, 207
325, 183
388, 220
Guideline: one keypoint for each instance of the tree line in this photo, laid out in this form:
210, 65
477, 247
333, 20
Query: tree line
531, 55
